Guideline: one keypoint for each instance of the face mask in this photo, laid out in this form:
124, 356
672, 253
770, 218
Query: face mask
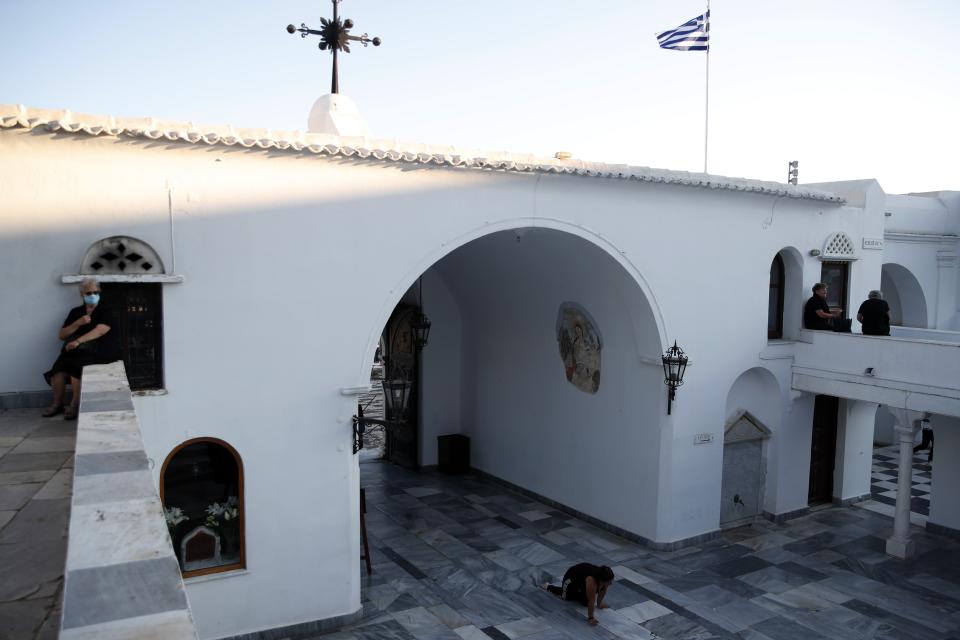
92, 299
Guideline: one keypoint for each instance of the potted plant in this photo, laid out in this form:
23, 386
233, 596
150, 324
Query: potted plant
225, 517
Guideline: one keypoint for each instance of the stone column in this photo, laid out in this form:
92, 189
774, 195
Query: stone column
899, 545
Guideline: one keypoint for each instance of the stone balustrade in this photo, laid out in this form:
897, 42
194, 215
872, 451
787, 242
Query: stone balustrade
122, 579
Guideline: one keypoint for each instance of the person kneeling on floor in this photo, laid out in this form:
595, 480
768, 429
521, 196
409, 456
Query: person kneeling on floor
584, 583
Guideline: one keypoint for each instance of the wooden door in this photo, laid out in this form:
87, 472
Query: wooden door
823, 449
401, 360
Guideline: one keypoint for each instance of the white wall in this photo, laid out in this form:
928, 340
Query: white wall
527, 424
440, 366
945, 477
855, 424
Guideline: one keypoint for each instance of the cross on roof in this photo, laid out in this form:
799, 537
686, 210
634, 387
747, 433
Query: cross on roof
334, 36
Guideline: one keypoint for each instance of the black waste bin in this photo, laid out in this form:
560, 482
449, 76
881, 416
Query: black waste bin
453, 453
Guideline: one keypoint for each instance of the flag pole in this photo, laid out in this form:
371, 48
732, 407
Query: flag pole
706, 118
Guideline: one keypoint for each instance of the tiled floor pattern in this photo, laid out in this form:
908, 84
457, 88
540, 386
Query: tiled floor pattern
883, 484
456, 558
36, 482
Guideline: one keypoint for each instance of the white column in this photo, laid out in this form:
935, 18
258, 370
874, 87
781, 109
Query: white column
946, 304
899, 545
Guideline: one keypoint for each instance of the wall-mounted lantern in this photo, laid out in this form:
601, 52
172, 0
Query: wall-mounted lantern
396, 401
674, 366
421, 324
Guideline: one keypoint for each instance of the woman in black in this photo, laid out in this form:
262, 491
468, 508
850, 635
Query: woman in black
584, 583
88, 339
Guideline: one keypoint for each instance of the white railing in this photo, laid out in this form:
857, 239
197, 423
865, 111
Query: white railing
918, 374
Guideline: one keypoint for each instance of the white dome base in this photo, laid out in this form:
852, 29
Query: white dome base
338, 115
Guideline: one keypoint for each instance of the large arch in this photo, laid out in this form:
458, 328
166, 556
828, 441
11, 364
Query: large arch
902, 291
493, 369
406, 279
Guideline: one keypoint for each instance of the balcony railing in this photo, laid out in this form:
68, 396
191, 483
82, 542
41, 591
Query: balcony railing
911, 373
122, 578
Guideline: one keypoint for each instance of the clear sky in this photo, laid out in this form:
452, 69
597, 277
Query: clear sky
850, 88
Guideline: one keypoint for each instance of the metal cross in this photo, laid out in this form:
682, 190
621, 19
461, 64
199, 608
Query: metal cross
334, 36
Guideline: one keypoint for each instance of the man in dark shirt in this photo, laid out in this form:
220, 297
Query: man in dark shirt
816, 313
874, 314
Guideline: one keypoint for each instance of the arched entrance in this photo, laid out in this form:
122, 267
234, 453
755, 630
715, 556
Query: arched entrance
752, 415
902, 291
520, 318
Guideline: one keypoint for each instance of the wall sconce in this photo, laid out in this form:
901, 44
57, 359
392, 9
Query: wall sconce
396, 400
674, 366
814, 252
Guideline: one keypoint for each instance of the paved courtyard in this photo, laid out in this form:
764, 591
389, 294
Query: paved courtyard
883, 483
457, 558
36, 480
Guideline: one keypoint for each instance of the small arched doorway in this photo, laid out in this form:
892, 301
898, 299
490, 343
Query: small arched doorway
753, 413
902, 291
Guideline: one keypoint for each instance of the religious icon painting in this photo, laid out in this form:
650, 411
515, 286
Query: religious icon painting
580, 345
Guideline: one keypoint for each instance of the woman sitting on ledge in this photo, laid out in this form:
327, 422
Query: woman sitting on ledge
88, 339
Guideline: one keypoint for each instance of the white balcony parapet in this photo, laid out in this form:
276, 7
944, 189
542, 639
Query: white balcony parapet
122, 579
915, 374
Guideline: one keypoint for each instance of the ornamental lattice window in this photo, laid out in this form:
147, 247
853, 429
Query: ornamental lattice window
838, 247
121, 255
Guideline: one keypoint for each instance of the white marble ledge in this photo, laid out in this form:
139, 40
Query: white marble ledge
107, 534
105, 488
109, 431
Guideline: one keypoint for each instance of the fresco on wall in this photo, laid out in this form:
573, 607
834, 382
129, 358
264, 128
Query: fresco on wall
580, 346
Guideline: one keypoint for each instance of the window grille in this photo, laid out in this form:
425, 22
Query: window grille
838, 247
121, 255
138, 310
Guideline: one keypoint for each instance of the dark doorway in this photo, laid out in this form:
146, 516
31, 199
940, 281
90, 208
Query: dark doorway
138, 308
775, 299
836, 275
823, 449
402, 360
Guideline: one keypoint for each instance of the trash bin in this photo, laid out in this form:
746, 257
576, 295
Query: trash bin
453, 453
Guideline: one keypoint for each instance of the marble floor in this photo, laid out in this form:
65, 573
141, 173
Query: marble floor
36, 482
883, 484
457, 558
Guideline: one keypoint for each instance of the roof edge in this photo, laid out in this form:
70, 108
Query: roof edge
62, 120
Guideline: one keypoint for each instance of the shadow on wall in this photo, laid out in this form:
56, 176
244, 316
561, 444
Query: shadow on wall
902, 291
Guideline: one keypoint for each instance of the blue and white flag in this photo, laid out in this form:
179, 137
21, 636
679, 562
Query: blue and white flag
693, 35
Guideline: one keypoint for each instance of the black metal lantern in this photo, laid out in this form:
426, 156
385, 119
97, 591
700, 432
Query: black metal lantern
396, 402
396, 397
674, 366
421, 330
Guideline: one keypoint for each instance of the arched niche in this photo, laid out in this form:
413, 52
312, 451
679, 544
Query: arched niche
787, 266
752, 417
902, 291
201, 488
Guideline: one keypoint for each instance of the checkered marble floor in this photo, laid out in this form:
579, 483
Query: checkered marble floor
456, 558
883, 484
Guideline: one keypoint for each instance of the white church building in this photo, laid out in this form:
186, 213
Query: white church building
255, 274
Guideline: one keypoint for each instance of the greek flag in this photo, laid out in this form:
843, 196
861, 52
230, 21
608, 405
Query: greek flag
693, 35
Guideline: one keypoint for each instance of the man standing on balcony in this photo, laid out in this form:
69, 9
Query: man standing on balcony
816, 313
874, 314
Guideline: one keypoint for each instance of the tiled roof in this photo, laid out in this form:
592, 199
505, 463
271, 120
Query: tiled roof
19, 116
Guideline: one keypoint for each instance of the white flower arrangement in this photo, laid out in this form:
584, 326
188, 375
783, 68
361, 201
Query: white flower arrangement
174, 516
225, 511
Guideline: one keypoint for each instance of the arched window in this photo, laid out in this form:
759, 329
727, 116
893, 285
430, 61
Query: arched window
775, 303
201, 487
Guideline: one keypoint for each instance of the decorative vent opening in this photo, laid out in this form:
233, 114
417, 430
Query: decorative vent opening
838, 247
120, 255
